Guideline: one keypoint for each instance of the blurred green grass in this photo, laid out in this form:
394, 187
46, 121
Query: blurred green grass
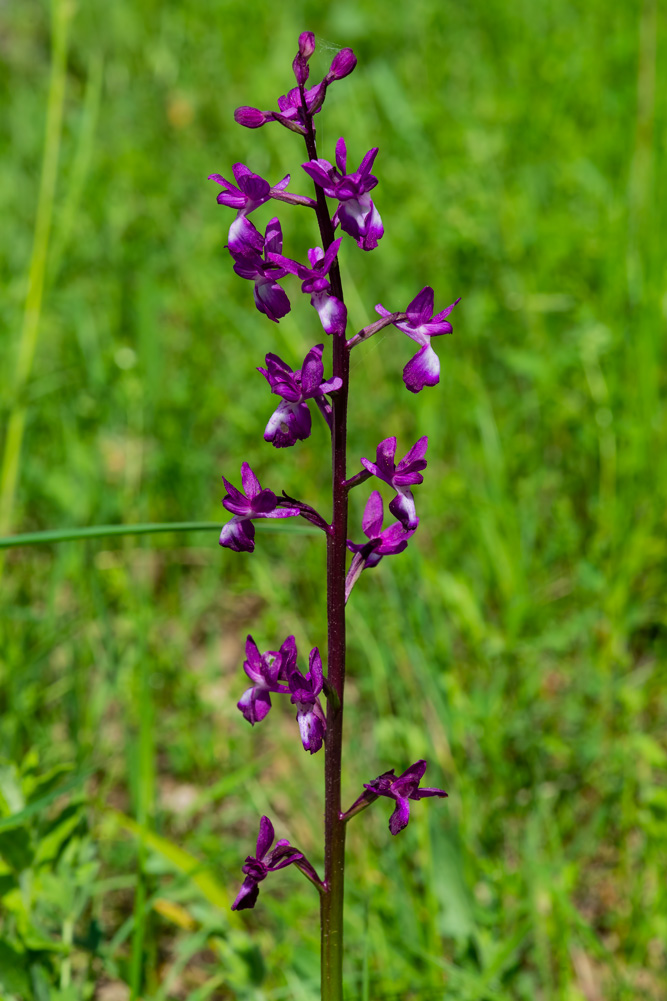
519, 644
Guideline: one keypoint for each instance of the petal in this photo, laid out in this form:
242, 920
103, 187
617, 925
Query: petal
312, 370
253, 665
401, 815
288, 655
366, 164
281, 185
315, 673
289, 423
265, 837
331, 311
273, 242
423, 369
244, 238
238, 535
407, 783
413, 461
424, 793
312, 727
319, 171
251, 485
247, 895
403, 508
263, 504
271, 299
420, 309
341, 155
255, 704
385, 455
235, 501
373, 515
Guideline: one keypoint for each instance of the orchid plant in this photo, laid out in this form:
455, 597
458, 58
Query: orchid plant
259, 258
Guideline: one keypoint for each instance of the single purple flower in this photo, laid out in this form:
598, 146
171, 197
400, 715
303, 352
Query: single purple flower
401, 790
270, 298
291, 421
356, 212
258, 867
331, 311
305, 692
421, 325
291, 112
239, 533
393, 539
401, 477
252, 191
266, 671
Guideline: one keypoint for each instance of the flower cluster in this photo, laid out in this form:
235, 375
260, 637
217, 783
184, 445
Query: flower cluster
259, 257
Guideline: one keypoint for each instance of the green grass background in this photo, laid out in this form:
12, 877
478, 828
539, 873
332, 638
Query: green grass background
519, 644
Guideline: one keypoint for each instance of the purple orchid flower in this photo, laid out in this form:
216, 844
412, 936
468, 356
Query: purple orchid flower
252, 191
266, 671
270, 298
305, 696
239, 533
356, 212
331, 311
291, 420
401, 790
258, 867
401, 477
291, 113
421, 325
393, 539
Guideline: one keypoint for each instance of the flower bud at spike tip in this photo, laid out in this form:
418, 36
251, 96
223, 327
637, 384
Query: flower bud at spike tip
306, 49
250, 118
306, 44
342, 65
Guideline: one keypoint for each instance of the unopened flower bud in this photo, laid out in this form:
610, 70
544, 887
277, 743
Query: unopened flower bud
306, 44
342, 65
250, 118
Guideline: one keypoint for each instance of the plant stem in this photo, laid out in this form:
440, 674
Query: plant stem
331, 901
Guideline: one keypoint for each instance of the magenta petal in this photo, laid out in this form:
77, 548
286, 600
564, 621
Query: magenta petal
400, 817
331, 311
312, 370
247, 895
244, 238
373, 515
341, 155
274, 236
271, 299
315, 672
251, 485
420, 309
423, 369
265, 837
403, 508
255, 704
289, 423
238, 535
